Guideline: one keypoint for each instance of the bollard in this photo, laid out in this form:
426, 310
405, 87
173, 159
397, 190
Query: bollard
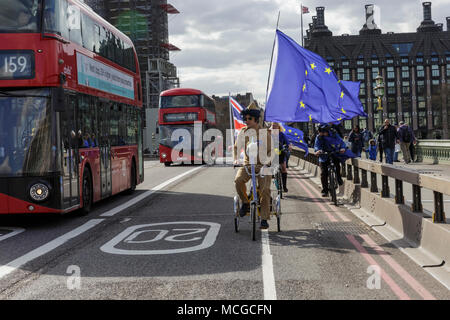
373, 182
385, 187
399, 198
417, 201
349, 172
438, 214
356, 179
364, 182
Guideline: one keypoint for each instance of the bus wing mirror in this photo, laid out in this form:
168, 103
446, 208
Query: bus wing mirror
58, 100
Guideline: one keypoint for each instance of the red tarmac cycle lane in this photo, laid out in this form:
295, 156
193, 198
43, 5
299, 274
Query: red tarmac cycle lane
342, 258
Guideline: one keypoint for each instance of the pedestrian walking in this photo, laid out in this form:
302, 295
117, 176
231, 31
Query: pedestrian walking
372, 150
347, 143
380, 148
356, 139
396, 151
367, 136
412, 150
405, 137
388, 136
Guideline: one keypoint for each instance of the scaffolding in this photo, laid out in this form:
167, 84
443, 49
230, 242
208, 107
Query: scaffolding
161, 75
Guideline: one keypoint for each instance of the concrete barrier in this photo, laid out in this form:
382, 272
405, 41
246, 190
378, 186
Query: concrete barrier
415, 233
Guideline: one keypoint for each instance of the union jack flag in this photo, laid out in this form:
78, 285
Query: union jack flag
305, 10
237, 119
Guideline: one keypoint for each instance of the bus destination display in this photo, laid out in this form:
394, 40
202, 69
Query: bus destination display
16, 65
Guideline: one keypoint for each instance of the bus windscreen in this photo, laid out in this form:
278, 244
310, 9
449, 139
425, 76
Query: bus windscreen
25, 133
19, 15
180, 101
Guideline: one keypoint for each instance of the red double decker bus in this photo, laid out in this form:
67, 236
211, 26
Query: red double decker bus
70, 108
180, 109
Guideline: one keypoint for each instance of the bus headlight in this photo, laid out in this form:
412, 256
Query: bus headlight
39, 192
163, 155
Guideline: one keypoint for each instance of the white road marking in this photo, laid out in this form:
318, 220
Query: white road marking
46, 248
270, 292
135, 200
15, 231
129, 235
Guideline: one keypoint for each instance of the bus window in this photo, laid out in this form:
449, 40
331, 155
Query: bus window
88, 33
96, 48
74, 23
114, 125
51, 18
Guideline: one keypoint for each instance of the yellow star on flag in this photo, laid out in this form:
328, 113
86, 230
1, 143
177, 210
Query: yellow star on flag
306, 72
310, 118
313, 66
342, 95
339, 119
302, 105
304, 87
328, 70
343, 110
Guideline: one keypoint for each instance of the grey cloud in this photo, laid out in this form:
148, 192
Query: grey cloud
244, 31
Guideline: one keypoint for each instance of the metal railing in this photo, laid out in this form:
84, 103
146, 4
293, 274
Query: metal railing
358, 170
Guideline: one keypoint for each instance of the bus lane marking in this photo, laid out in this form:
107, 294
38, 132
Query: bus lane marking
13, 232
161, 233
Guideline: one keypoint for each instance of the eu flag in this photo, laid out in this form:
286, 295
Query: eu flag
294, 136
303, 87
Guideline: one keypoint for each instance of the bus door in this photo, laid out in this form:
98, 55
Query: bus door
105, 148
70, 161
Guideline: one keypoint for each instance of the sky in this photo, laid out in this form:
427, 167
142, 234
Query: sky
226, 46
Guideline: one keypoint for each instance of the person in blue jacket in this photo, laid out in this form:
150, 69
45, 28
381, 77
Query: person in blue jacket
328, 141
372, 150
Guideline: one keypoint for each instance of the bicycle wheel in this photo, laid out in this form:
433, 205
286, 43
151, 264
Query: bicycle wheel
332, 185
236, 224
278, 213
253, 214
279, 184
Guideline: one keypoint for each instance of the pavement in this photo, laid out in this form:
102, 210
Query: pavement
179, 243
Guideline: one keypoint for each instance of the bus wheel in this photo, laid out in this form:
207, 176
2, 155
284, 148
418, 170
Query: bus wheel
87, 192
133, 179
167, 164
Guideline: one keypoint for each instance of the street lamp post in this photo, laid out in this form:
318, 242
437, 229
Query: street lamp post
379, 93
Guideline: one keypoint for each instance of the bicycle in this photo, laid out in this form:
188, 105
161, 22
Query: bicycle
255, 206
278, 181
332, 177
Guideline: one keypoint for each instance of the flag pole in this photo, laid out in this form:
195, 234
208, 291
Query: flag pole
231, 124
301, 18
271, 58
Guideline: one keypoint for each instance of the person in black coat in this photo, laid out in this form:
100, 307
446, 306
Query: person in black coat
388, 137
356, 139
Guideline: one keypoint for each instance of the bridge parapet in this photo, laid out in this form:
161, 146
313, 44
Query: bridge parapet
356, 170
435, 151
